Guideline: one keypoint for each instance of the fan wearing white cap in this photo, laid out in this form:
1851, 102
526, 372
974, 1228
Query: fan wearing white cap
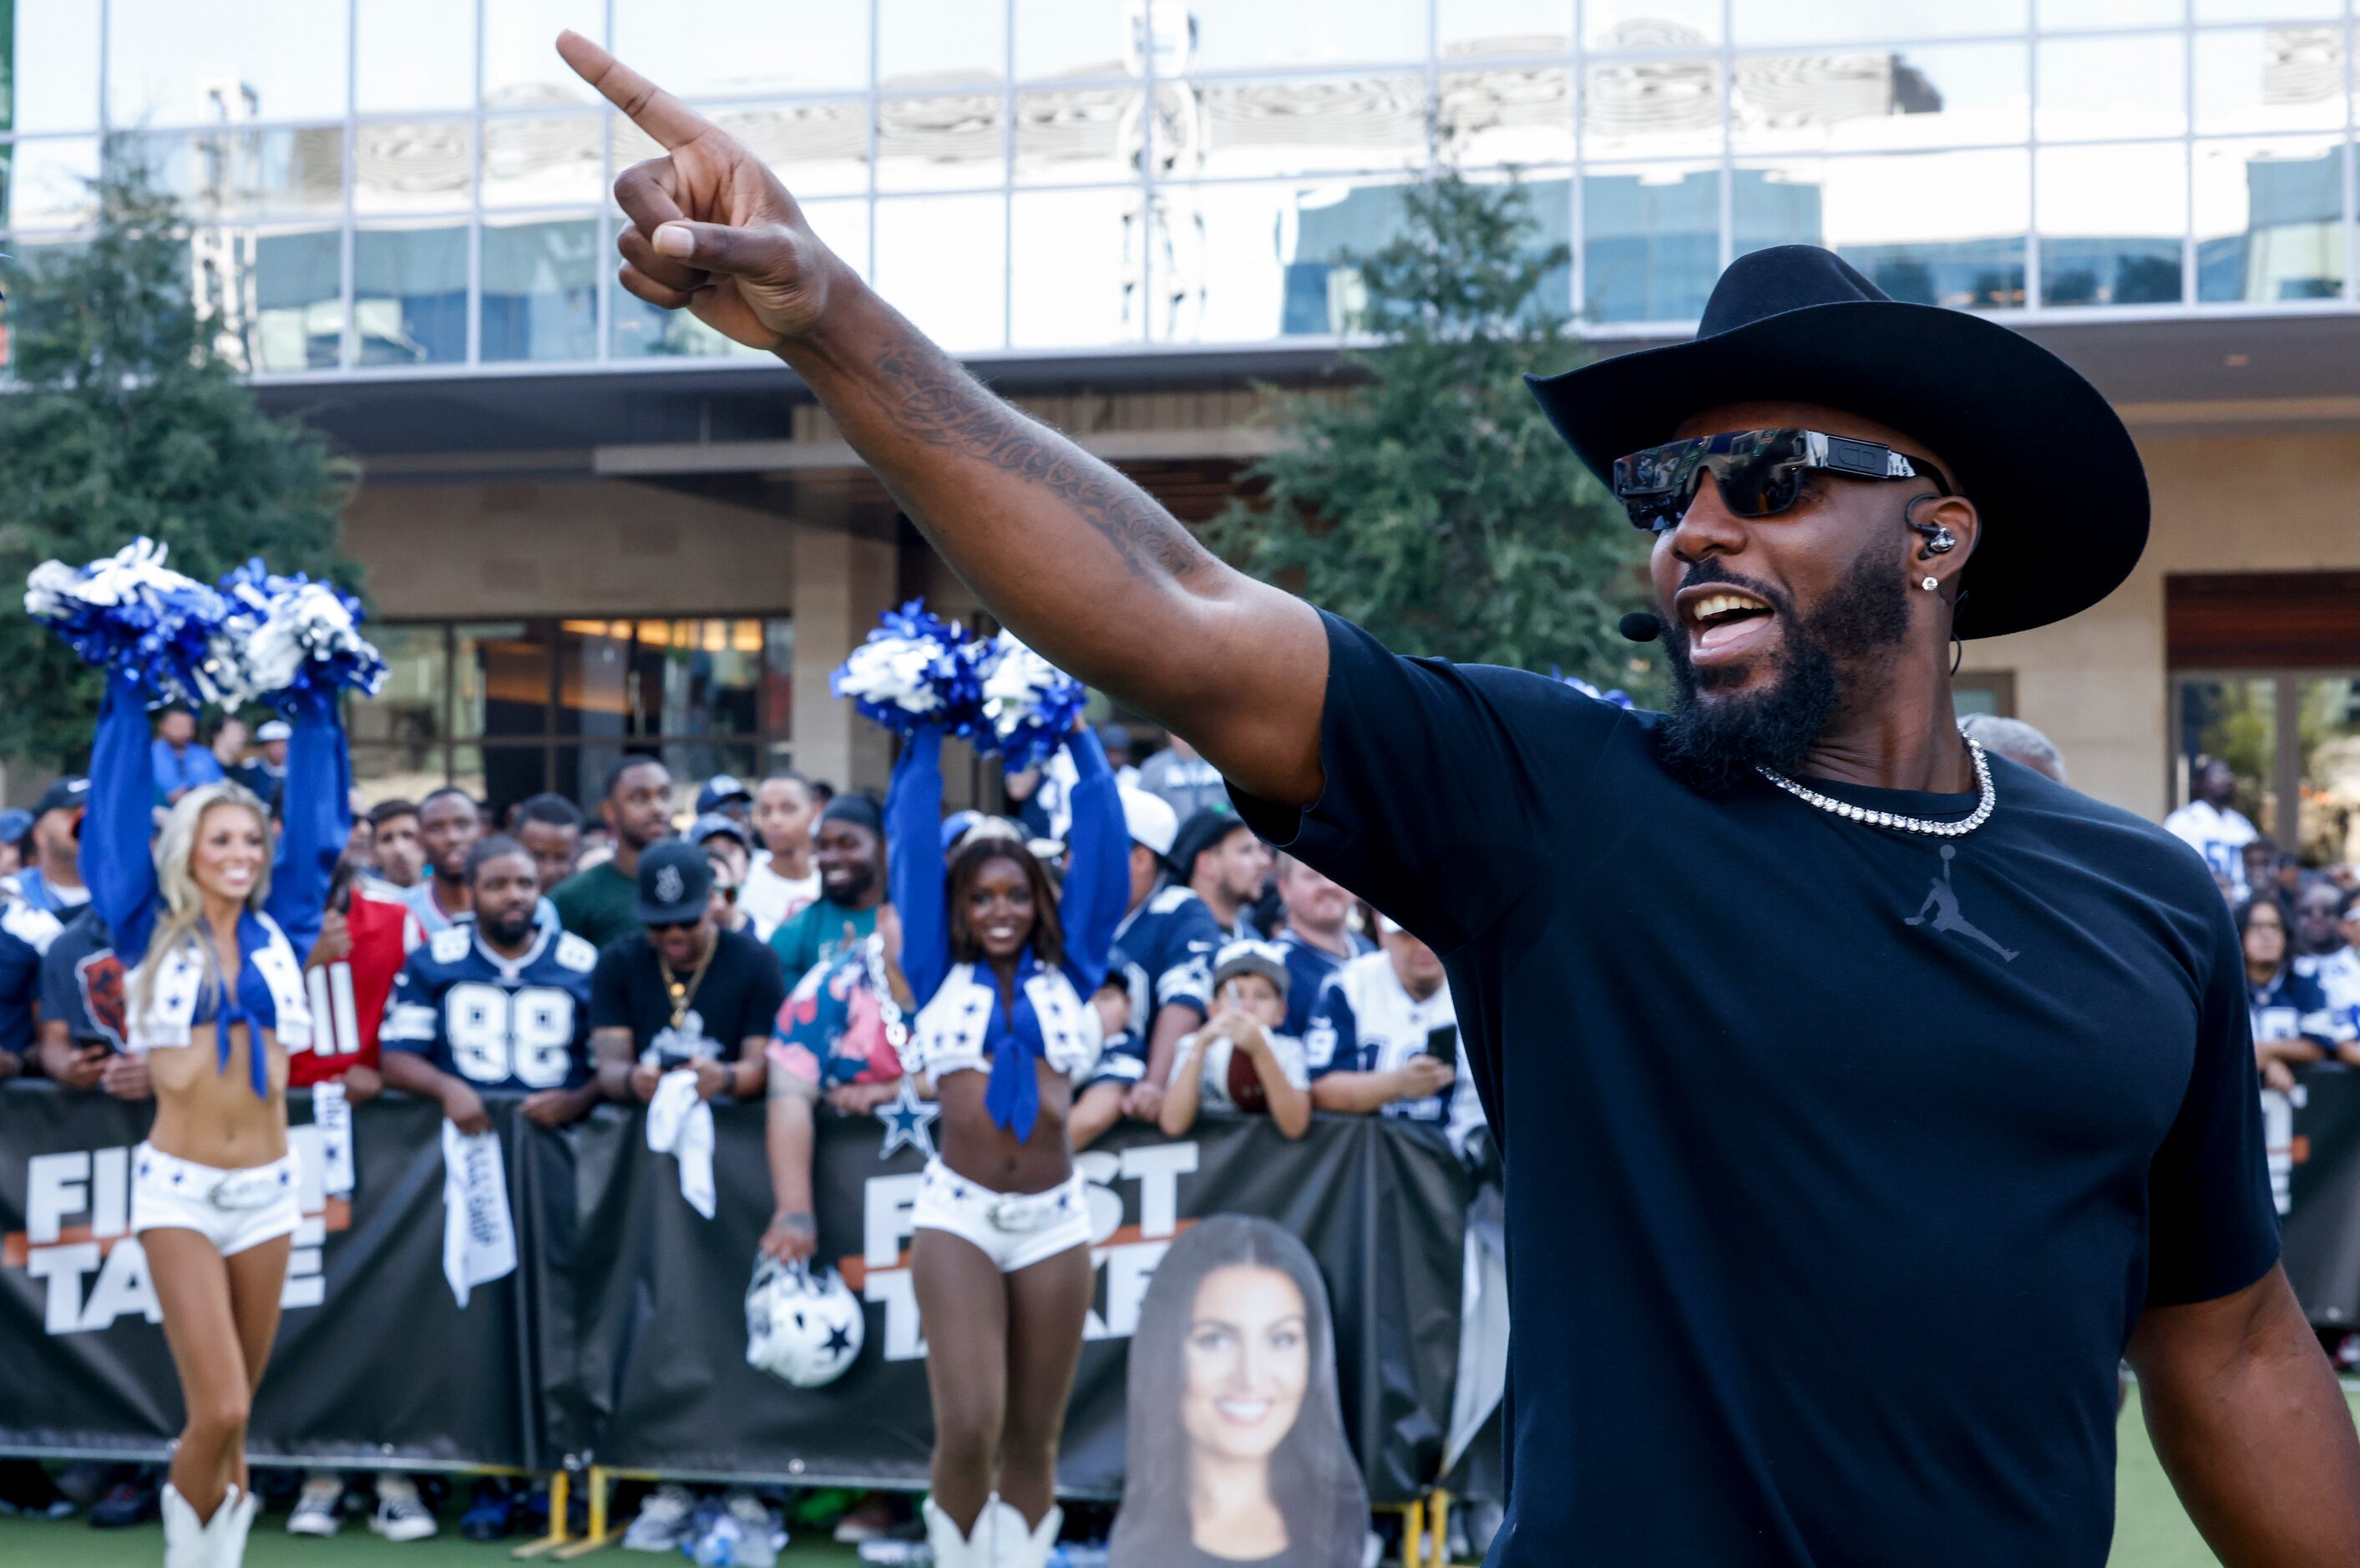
1239, 1061
1162, 960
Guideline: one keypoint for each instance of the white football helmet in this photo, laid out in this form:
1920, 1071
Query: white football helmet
802, 1325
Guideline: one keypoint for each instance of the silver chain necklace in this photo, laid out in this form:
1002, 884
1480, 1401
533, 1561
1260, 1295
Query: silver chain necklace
1874, 818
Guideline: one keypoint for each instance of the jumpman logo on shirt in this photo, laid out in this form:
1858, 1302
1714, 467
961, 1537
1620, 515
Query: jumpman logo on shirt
1943, 903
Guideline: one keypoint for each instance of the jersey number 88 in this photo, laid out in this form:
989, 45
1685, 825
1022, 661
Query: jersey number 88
497, 1035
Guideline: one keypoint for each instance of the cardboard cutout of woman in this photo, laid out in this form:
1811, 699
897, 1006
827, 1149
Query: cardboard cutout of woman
1236, 1452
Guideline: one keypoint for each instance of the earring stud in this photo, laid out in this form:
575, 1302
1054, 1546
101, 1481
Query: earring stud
1929, 585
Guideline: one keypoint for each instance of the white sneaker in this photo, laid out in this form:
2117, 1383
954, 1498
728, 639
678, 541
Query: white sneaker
320, 1509
399, 1515
662, 1521
758, 1534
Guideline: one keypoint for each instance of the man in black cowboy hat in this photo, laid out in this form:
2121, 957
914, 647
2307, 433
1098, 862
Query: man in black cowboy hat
1827, 1228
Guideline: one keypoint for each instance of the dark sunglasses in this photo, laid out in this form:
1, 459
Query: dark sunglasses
1759, 472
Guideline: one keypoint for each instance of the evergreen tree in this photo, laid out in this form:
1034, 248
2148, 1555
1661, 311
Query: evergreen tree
1431, 502
126, 422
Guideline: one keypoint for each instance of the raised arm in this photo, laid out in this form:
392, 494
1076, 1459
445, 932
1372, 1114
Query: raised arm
316, 818
116, 860
913, 864
1097, 866
1070, 555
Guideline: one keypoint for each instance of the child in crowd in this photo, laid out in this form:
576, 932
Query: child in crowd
1239, 1060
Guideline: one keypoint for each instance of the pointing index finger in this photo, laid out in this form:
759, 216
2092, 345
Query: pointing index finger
670, 122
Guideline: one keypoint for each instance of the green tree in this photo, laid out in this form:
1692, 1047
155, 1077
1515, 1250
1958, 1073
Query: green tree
127, 421
1430, 501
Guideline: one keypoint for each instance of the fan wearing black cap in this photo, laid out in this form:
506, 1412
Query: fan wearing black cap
1810, 1037
51, 880
682, 992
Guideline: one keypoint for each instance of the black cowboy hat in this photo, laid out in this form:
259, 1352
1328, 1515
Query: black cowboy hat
2047, 463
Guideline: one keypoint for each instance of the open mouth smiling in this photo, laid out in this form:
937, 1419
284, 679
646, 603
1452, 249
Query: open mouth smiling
1722, 622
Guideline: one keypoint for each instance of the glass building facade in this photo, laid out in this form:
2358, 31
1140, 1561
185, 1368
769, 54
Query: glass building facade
419, 185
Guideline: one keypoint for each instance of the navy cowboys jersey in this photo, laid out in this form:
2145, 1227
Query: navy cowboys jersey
1163, 954
25, 933
1365, 1021
515, 1024
1308, 968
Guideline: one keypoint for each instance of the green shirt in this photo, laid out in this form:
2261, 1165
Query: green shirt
814, 934
598, 905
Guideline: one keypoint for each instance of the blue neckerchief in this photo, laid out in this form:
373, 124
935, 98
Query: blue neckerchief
1012, 1035
231, 1008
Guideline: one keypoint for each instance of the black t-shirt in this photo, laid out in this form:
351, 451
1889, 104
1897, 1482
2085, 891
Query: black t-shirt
1840, 1160
82, 981
739, 995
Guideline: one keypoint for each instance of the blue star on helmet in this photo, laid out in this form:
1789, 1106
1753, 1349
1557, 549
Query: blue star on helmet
909, 1122
839, 1340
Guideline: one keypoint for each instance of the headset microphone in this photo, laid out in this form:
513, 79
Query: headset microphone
1641, 626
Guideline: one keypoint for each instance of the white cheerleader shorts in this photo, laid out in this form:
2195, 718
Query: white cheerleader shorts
234, 1210
1015, 1230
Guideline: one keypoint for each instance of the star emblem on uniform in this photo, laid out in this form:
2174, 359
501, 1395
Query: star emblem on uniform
839, 1340
907, 1121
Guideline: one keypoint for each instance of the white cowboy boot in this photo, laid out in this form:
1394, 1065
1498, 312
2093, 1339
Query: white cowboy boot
952, 1550
1015, 1546
185, 1545
228, 1528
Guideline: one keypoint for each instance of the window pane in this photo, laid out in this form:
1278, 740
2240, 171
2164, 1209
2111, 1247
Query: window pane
2093, 89
593, 675
46, 184
169, 62
945, 143
2236, 720
693, 762
1934, 228
1247, 263
711, 679
409, 294
1309, 126
1076, 37
520, 65
2110, 220
239, 173
1470, 29
1651, 108
543, 160
424, 166
1870, 21
778, 676
1651, 242
501, 671
940, 43
2269, 220
1077, 135
2076, 15
2273, 79
2260, 10
2329, 833
745, 49
414, 54
1926, 96
501, 774
1247, 35
383, 773
818, 149
52, 76
408, 709
297, 300
1508, 115
959, 306
540, 290
1077, 269
1652, 24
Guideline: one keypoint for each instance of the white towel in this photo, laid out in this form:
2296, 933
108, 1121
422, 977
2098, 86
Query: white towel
334, 1115
681, 1124
479, 1236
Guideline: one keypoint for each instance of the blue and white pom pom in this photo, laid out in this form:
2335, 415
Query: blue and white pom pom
1029, 702
297, 636
915, 671
131, 615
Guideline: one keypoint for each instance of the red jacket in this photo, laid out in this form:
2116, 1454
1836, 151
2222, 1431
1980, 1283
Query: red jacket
344, 1036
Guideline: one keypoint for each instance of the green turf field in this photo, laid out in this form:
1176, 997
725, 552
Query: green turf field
2150, 1531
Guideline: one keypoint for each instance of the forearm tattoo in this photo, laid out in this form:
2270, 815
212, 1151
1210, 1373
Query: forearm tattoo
930, 396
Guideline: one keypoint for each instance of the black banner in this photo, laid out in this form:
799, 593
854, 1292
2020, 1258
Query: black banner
375, 1363
657, 1292
2320, 1232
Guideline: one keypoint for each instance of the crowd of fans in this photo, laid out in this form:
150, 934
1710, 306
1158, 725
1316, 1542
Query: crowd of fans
567, 959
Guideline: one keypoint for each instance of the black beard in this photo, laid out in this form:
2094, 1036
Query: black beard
511, 933
1713, 747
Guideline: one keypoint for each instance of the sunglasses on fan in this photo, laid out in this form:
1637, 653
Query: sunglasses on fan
1759, 472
